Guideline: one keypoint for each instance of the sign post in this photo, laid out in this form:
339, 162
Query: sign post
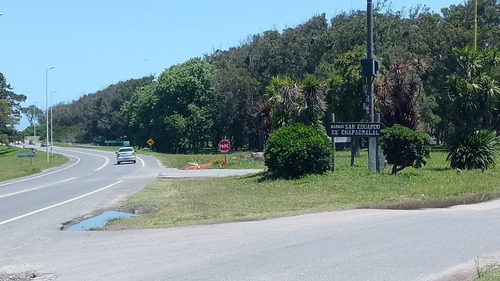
224, 147
361, 129
333, 144
113, 142
150, 142
30, 156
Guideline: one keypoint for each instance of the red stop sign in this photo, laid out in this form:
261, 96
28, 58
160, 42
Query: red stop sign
224, 146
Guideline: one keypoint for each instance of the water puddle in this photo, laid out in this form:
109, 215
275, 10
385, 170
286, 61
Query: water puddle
99, 221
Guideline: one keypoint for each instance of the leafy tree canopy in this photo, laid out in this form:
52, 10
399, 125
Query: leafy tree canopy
228, 93
10, 107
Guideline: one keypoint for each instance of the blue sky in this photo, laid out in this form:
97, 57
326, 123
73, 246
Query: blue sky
96, 43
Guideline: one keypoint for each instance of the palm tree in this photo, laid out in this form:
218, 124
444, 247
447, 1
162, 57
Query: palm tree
263, 115
314, 99
397, 94
475, 89
283, 95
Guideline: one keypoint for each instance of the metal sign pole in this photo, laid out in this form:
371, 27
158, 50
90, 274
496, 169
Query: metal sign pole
372, 142
333, 144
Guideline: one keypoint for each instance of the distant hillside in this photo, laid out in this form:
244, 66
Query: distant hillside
93, 117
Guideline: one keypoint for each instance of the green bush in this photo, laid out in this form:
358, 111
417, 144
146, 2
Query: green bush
474, 150
404, 147
298, 150
4, 139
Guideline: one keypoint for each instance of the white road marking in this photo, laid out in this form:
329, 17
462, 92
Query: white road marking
59, 204
43, 175
106, 159
66, 180
143, 164
34, 188
106, 162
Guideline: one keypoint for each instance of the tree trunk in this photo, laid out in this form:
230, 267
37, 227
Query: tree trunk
394, 169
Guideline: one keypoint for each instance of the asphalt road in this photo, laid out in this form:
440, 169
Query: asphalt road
32, 209
348, 245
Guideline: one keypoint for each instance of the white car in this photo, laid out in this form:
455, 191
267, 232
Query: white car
125, 154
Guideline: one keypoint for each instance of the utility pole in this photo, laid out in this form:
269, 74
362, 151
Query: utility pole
370, 74
369, 69
475, 24
51, 126
34, 127
47, 110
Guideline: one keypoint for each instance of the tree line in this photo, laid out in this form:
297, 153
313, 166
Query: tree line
302, 75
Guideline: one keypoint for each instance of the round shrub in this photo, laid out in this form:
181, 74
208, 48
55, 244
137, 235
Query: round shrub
298, 150
476, 150
404, 147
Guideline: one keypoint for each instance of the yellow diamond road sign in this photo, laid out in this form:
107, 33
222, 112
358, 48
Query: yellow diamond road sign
150, 142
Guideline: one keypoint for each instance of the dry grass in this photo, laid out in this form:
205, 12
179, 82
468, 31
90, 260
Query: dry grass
186, 202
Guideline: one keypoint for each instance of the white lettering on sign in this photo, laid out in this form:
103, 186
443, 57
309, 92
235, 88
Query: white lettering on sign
357, 133
368, 126
355, 129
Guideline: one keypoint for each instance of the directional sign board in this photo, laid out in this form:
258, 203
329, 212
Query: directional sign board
224, 146
357, 129
150, 142
26, 155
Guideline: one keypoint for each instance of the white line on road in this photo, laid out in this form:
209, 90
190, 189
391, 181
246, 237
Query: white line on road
34, 188
143, 164
66, 180
59, 204
43, 175
106, 159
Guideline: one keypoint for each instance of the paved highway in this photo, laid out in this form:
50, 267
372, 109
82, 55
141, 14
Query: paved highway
91, 177
349, 245
32, 209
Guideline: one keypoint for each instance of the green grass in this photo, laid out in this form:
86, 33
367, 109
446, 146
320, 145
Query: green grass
167, 203
491, 274
13, 167
235, 160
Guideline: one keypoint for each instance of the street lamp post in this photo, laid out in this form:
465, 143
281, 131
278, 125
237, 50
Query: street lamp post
51, 127
34, 127
47, 110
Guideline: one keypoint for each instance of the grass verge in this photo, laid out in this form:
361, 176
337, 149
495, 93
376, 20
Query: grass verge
235, 160
14, 167
492, 273
167, 203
